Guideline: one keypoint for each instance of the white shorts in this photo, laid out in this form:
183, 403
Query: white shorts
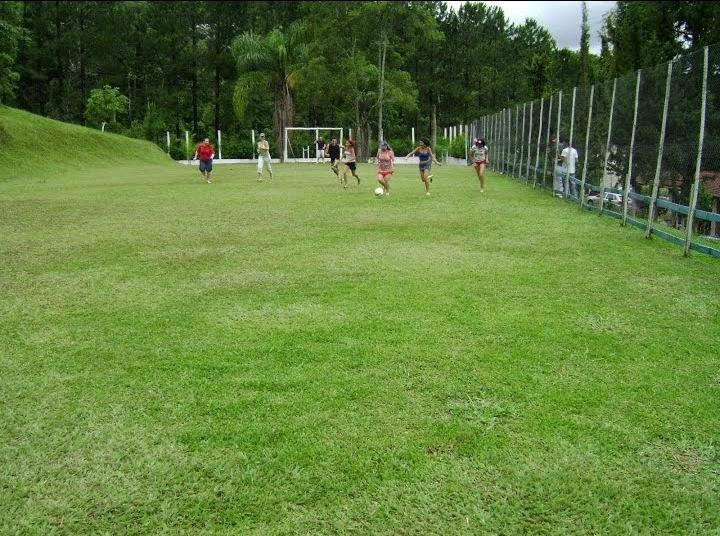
264, 159
320, 153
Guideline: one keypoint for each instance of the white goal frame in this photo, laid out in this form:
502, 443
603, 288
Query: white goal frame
317, 135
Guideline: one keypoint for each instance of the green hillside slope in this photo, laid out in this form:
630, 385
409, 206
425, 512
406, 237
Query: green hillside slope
32, 145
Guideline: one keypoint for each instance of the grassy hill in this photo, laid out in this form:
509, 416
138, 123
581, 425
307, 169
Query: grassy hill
31, 144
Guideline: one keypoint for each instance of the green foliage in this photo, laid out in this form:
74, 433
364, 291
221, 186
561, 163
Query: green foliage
104, 105
11, 33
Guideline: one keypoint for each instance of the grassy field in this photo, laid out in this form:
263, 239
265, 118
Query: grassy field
287, 357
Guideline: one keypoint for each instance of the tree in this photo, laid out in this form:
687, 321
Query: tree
10, 35
584, 78
104, 105
276, 56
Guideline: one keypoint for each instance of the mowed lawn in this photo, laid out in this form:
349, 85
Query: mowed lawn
287, 357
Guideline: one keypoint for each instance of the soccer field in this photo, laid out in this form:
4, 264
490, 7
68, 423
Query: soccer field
288, 357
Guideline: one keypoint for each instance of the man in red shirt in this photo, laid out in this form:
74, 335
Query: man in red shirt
206, 151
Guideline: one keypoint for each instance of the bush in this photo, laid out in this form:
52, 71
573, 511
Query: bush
233, 147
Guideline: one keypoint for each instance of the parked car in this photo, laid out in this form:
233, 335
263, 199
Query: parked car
610, 198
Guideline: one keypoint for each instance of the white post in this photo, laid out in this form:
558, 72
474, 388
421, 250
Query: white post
285, 146
219, 145
517, 120
529, 144
587, 147
570, 141
557, 138
539, 136
522, 141
626, 188
187, 145
167, 133
102, 129
658, 167
444, 132
547, 140
412, 135
701, 139
607, 147
252, 132
350, 134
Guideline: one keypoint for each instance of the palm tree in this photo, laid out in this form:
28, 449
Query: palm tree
270, 60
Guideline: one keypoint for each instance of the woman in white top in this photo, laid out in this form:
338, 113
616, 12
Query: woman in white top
479, 156
350, 162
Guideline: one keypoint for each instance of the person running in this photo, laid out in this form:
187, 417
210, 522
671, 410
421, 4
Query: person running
386, 166
206, 152
426, 156
333, 152
479, 156
350, 162
320, 151
263, 149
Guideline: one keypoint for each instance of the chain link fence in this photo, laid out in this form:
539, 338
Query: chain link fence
643, 148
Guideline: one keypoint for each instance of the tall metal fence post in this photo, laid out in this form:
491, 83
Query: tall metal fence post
566, 186
557, 139
187, 146
607, 148
504, 139
522, 142
698, 162
626, 186
587, 147
508, 121
537, 150
658, 167
527, 166
517, 120
547, 141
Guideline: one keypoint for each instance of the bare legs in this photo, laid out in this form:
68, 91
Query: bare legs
480, 170
385, 183
427, 179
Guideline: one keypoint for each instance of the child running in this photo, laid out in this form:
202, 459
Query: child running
350, 162
386, 166
426, 156
479, 156
333, 152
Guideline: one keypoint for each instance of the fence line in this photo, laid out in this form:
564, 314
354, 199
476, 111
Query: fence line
640, 161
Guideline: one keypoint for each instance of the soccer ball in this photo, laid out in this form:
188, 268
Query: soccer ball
379, 191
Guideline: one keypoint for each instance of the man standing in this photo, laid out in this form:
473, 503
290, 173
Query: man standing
263, 149
320, 151
206, 151
569, 157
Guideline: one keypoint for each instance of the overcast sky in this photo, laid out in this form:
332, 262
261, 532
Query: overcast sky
562, 19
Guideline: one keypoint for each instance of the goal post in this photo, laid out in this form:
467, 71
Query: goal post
297, 153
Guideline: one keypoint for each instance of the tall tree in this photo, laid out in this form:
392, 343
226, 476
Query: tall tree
584, 78
10, 35
279, 55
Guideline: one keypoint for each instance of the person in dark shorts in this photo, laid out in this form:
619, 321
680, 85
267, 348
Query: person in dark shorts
320, 151
350, 162
333, 152
206, 152
426, 157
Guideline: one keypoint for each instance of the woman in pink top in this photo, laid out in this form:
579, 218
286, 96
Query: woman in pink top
386, 166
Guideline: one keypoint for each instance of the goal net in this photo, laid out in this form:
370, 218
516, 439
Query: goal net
301, 143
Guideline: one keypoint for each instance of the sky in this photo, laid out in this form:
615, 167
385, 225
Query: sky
562, 19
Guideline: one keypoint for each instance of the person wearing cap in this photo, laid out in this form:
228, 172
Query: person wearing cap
386, 166
479, 157
263, 149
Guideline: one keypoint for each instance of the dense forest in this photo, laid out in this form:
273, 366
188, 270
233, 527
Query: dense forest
142, 68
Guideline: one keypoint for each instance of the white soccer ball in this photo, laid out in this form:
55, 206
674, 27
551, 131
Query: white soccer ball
379, 191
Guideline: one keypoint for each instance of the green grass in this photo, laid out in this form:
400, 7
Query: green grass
289, 358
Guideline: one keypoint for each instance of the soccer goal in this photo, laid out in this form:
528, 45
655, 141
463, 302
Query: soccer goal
300, 142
